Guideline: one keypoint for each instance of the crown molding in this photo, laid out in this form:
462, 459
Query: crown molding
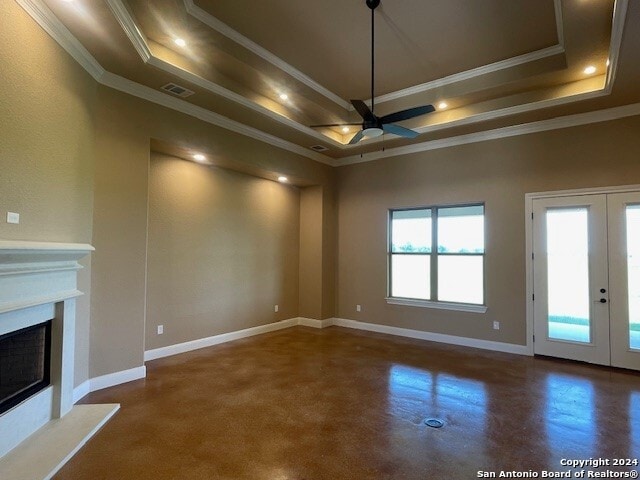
227, 31
131, 29
558, 123
617, 30
139, 42
469, 74
146, 93
50, 23
61, 34
557, 7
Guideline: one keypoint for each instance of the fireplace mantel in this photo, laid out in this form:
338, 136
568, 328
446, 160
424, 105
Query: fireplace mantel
37, 273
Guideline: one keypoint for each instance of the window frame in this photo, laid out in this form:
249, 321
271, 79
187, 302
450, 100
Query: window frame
433, 255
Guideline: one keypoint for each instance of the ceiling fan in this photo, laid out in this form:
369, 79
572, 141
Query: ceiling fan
372, 125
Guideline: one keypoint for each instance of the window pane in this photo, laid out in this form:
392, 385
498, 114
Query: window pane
461, 229
568, 274
411, 231
460, 279
633, 269
411, 276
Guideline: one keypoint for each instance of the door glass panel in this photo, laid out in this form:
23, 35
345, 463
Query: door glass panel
633, 272
568, 274
411, 276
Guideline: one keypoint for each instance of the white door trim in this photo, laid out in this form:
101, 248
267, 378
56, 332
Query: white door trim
528, 200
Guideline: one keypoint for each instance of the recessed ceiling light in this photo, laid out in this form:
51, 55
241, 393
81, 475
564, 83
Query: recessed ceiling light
590, 70
283, 179
198, 157
442, 105
345, 129
284, 96
180, 42
608, 62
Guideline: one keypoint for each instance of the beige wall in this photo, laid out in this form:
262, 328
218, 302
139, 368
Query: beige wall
46, 148
223, 251
125, 126
311, 252
498, 173
318, 239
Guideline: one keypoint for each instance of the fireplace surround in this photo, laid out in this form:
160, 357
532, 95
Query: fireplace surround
38, 286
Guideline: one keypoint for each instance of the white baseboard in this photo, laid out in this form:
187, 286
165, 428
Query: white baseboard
117, 378
81, 390
217, 339
312, 322
109, 380
433, 337
112, 379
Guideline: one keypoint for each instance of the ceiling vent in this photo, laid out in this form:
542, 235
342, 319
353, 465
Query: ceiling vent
319, 148
177, 90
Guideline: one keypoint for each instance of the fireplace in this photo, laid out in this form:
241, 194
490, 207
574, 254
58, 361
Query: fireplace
25, 364
38, 290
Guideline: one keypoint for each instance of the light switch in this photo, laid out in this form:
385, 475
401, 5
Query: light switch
13, 217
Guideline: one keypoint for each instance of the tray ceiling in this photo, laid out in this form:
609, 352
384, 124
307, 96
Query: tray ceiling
494, 63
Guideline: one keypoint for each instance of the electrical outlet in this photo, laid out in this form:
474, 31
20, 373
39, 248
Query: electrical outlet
13, 217
160, 329
496, 325
358, 308
275, 309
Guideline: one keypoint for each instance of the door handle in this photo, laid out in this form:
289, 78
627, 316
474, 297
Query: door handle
603, 300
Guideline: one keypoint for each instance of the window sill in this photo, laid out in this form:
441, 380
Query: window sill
460, 307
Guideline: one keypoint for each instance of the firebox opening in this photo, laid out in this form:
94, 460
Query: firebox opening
25, 364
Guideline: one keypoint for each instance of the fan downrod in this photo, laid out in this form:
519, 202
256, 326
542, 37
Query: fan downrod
373, 4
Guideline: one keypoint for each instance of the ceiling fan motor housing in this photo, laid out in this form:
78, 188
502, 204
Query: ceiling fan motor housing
372, 4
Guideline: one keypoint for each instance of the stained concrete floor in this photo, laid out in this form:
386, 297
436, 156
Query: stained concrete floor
343, 404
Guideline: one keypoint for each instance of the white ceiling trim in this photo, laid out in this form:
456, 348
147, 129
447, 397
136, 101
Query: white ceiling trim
265, 54
617, 30
137, 38
44, 17
503, 112
227, 31
133, 32
146, 93
140, 44
557, 6
469, 74
50, 23
498, 133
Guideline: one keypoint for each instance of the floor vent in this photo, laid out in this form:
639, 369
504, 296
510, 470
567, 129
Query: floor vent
177, 90
319, 148
434, 423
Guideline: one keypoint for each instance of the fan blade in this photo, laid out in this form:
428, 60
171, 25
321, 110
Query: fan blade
356, 138
363, 110
407, 114
335, 125
398, 130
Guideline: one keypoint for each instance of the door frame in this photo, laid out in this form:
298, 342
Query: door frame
528, 220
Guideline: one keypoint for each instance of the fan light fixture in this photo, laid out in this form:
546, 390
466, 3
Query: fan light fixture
373, 126
372, 132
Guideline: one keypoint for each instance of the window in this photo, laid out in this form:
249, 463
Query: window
450, 275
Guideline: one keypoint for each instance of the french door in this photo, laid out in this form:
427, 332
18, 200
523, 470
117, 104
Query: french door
586, 278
